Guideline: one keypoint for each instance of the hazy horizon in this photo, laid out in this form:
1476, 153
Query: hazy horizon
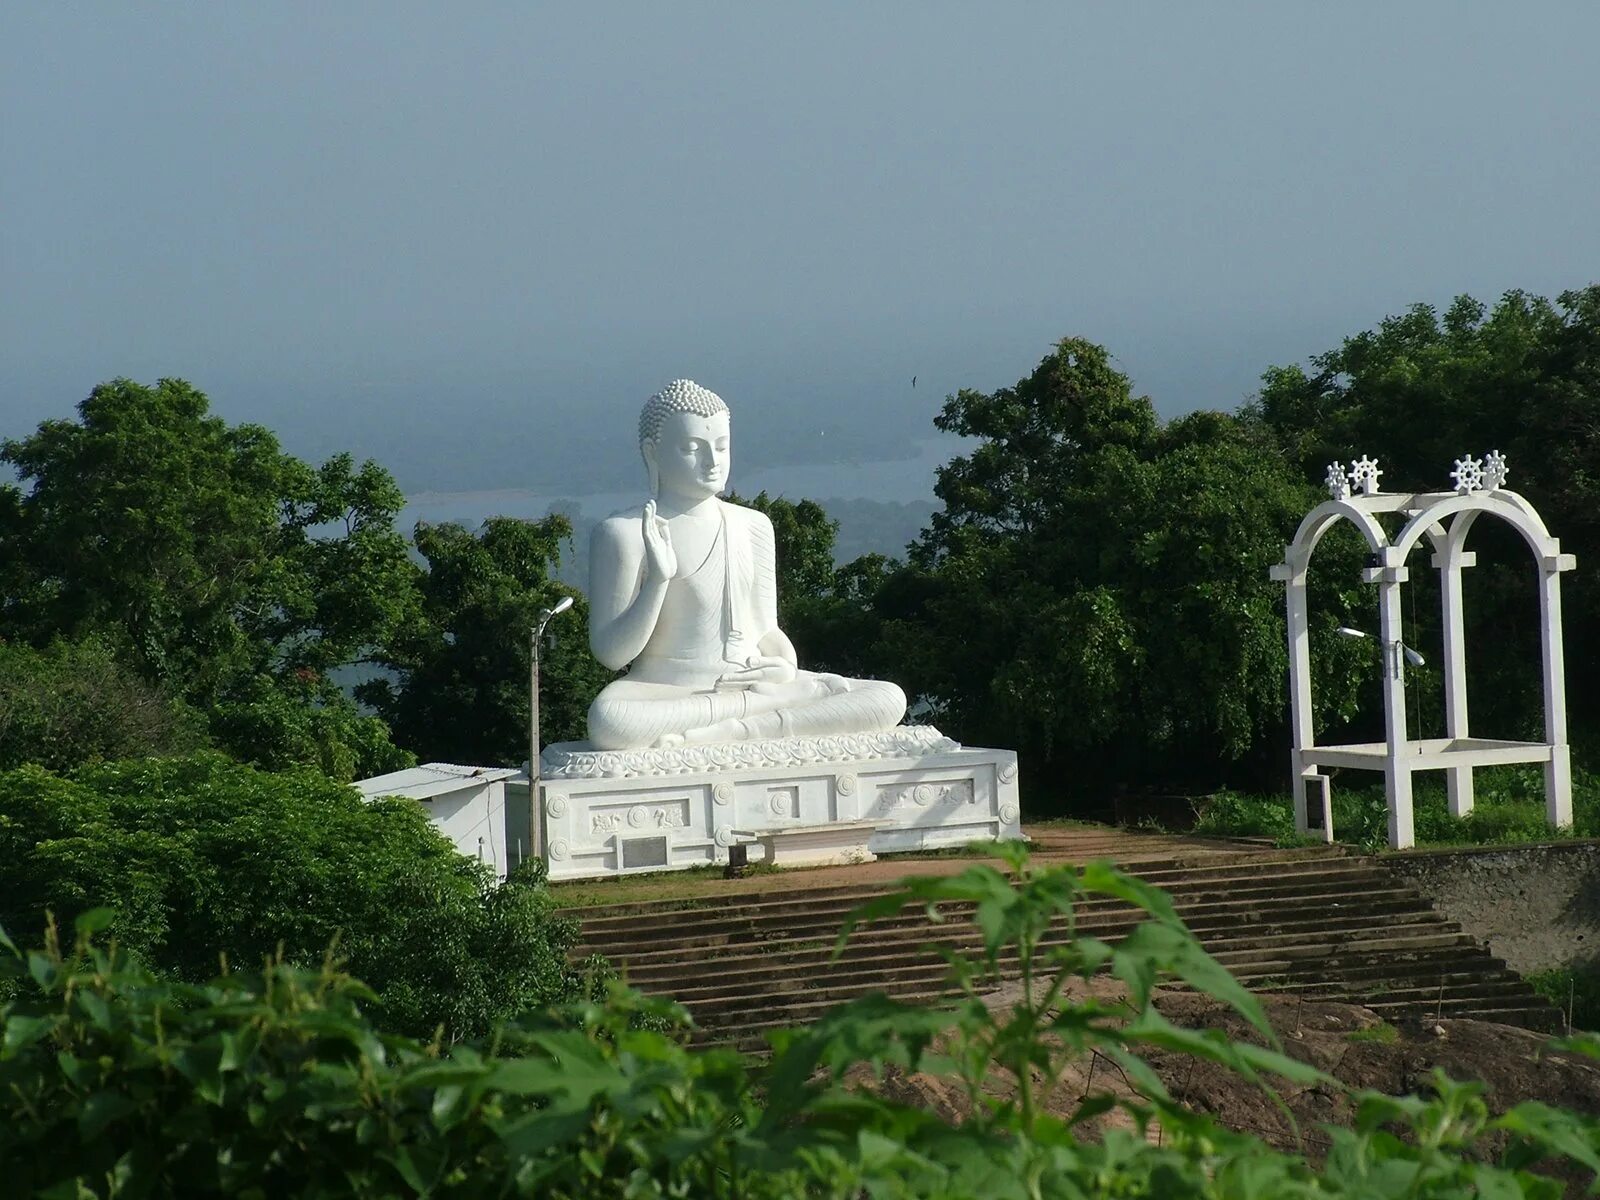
469, 241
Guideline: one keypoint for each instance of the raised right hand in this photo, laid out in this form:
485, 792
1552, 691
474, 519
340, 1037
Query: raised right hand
661, 561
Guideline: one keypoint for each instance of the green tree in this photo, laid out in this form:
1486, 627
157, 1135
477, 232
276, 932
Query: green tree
304, 719
76, 702
459, 685
200, 857
1095, 589
1421, 390
213, 558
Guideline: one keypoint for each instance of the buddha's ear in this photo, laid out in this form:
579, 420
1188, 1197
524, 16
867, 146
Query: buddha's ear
647, 449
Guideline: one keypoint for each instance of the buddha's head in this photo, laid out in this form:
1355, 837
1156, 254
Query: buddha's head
683, 436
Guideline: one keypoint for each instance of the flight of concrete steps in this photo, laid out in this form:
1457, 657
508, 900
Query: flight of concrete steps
1311, 923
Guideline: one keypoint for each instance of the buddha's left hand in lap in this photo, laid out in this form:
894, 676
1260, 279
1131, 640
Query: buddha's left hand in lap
761, 668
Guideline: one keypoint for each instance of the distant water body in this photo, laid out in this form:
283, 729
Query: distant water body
894, 481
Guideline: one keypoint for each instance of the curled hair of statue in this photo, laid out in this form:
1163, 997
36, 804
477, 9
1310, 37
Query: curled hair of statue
679, 396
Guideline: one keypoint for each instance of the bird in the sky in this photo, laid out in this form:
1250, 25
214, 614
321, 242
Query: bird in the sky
913, 381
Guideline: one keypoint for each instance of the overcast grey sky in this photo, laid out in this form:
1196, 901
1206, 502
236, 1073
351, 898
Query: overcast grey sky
469, 239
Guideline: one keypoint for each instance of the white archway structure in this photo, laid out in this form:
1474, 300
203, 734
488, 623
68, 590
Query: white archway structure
1445, 519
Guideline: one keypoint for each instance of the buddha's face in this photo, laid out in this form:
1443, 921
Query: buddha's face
691, 455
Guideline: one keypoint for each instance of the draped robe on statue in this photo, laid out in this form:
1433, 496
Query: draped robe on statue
713, 619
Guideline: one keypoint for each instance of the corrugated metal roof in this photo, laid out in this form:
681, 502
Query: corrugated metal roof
432, 779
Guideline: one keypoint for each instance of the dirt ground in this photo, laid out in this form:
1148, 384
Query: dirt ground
1346, 1041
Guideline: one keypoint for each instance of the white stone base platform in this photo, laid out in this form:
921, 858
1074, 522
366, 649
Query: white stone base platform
620, 812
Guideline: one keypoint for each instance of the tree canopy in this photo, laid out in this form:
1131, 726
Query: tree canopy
1095, 587
458, 688
218, 564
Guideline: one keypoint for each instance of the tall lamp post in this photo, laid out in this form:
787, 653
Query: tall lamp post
535, 809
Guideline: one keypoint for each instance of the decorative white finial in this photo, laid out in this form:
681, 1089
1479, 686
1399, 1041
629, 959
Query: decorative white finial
1495, 471
1364, 474
1468, 475
1337, 483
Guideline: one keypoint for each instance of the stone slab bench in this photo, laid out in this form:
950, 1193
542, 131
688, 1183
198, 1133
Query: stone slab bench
832, 843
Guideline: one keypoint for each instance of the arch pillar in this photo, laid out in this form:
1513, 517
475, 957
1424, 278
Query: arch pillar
1397, 759
1558, 770
1450, 558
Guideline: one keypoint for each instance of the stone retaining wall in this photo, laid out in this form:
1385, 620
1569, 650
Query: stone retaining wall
1538, 907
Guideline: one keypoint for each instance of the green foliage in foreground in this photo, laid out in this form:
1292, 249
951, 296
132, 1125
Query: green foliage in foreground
201, 857
1508, 808
113, 1083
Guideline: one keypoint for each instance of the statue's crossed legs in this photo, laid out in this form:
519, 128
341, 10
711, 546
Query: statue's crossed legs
632, 714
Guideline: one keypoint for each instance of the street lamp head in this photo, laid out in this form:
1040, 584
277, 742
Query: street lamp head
561, 606
1412, 657
1346, 631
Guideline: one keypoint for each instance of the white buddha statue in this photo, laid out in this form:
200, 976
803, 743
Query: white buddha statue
683, 592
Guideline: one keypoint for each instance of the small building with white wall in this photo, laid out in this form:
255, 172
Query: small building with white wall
482, 810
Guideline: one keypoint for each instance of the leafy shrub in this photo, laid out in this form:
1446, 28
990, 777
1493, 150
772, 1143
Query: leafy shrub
201, 857
1233, 814
1509, 807
1575, 990
116, 1083
276, 724
76, 702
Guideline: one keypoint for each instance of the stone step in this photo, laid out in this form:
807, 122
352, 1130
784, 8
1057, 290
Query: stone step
738, 1026
1278, 958
1174, 879
798, 970
1360, 973
929, 973
723, 928
1463, 1006
789, 887
1296, 923
779, 955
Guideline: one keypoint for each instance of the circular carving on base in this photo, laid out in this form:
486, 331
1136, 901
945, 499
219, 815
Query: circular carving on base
1009, 814
723, 793
725, 836
923, 795
846, 784
559, 848
1008, 772
637, 816
779, 805
556, 806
